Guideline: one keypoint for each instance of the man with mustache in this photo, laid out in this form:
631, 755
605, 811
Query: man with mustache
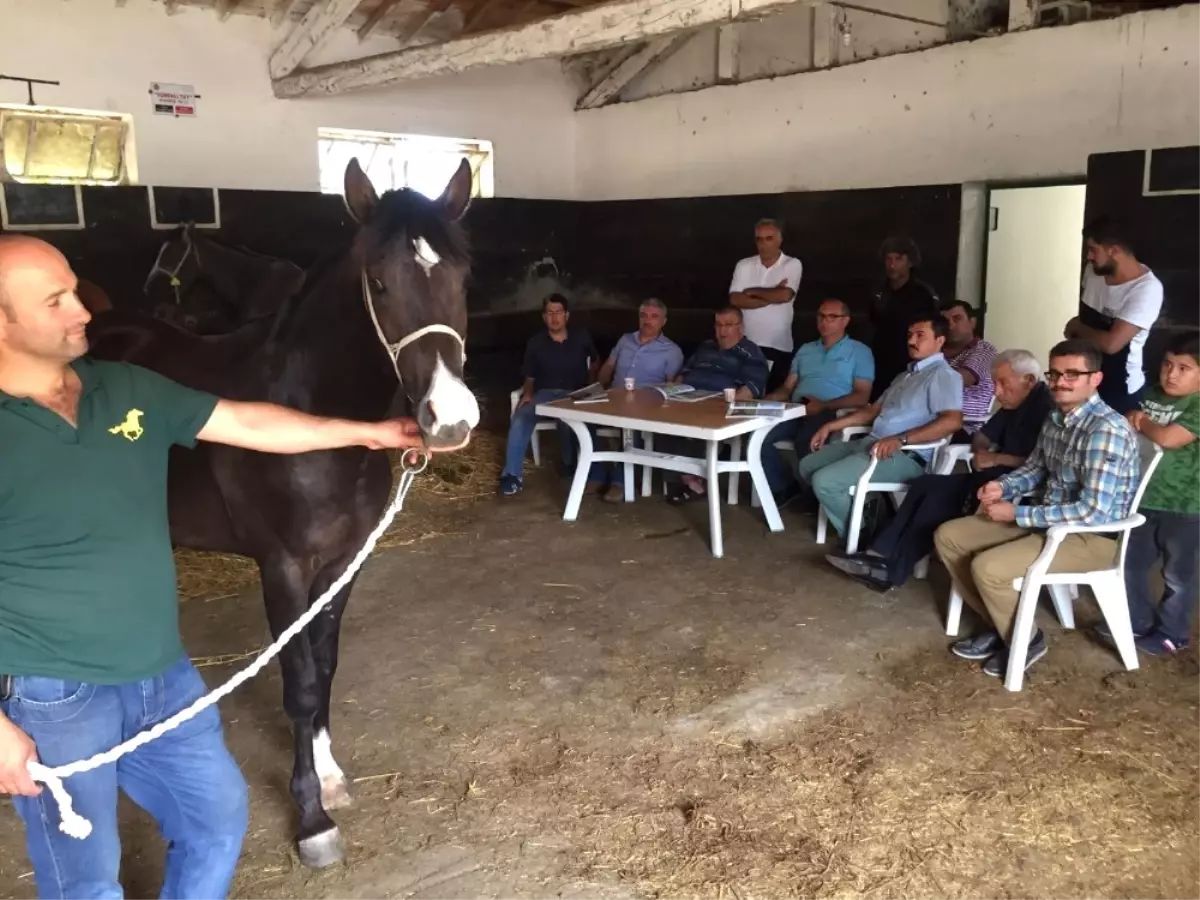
922, 404
1085, 470
1121, 301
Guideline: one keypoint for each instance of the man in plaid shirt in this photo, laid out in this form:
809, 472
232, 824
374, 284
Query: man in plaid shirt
1086, 464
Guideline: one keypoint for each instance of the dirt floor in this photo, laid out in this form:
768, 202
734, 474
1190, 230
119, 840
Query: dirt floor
535, 709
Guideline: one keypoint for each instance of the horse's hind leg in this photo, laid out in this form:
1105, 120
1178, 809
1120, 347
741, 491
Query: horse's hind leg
323, 636
285, 592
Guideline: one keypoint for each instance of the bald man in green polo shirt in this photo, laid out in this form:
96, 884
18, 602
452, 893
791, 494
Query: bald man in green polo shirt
90, 652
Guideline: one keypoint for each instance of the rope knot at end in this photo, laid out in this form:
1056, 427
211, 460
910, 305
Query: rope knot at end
70, 822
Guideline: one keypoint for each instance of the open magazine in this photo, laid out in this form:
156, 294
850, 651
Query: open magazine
593, 393
685, 393
753, 409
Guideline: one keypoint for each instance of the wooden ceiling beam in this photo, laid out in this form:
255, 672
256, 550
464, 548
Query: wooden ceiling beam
282, 10
318, 24
591, 28
476, 14
637, 63
432, 11
373, 20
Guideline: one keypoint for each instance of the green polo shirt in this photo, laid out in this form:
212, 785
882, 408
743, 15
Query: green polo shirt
87, 573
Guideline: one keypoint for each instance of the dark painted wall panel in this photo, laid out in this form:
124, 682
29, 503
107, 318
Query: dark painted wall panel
1166, 231
605, 256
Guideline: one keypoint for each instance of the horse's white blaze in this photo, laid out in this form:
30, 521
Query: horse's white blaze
426, 257
451, 400
326, 765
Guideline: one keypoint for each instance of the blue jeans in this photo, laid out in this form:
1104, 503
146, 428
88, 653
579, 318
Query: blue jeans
520, 431
800, 432
1174, 537
186, 780
606, 473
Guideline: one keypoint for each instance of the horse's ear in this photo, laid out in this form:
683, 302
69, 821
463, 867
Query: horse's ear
359, 193
457, 196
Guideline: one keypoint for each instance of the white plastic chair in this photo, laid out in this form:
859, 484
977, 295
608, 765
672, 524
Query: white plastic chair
546, 425
785, 445
542, 425
897, 490
1107, 584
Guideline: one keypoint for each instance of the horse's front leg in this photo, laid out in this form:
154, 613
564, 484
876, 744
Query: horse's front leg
285, 593
323, 636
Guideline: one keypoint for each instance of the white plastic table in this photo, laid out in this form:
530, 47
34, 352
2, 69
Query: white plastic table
646, 410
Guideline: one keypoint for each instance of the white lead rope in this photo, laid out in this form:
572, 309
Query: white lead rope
76, 825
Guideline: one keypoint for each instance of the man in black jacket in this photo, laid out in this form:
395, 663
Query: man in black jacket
904, 299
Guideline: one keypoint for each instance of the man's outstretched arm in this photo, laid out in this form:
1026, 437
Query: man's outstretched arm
271, 428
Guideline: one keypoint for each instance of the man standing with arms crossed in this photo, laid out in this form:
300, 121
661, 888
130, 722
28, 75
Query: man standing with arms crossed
1121, 302
764, 288
90, 652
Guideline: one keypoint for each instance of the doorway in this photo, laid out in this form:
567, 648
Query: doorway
1034, 265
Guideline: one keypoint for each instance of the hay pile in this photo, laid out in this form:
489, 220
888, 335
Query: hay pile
436, 498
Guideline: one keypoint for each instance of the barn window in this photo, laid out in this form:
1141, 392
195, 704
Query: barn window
43, 145
418, 161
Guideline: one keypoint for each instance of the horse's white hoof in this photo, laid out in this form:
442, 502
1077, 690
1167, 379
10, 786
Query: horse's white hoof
335, 793
322, 849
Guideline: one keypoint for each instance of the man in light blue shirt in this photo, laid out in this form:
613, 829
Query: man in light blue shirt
648, 357
831, 373
921, 405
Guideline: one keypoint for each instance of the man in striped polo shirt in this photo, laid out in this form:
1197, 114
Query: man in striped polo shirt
971, 357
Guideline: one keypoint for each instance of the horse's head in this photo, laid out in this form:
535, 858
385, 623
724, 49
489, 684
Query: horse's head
413, 263
210, 288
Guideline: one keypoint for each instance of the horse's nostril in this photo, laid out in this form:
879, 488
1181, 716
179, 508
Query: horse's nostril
425, 415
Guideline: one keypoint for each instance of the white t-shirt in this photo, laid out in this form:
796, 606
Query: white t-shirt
1137, 302
770, 326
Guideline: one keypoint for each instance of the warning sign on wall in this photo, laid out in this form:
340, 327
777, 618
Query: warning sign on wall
173, 99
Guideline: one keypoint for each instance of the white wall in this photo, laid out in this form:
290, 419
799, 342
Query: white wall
1020, 106
105, 57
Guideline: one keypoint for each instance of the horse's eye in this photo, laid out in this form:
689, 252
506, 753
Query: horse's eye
376, 285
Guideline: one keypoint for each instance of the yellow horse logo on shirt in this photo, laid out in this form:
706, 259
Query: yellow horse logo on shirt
131, 429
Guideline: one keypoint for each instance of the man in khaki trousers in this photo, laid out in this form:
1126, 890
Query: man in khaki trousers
1084, 470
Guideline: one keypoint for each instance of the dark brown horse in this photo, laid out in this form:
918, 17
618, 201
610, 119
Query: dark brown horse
209, 288
390, 305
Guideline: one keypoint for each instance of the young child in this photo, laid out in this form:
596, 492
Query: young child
1169, 415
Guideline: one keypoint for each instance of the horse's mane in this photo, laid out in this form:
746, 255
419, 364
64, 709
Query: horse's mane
411, 213
398, 212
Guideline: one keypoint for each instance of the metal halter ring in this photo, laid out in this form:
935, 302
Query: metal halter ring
414, 461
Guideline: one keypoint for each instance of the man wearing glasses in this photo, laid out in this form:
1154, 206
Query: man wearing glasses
831, 373
1083, 470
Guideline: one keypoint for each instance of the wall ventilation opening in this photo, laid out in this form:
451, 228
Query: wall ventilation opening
171, 207
40, 207
421, 162
1171, 171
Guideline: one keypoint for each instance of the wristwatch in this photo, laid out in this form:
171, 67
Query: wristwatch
904, 440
